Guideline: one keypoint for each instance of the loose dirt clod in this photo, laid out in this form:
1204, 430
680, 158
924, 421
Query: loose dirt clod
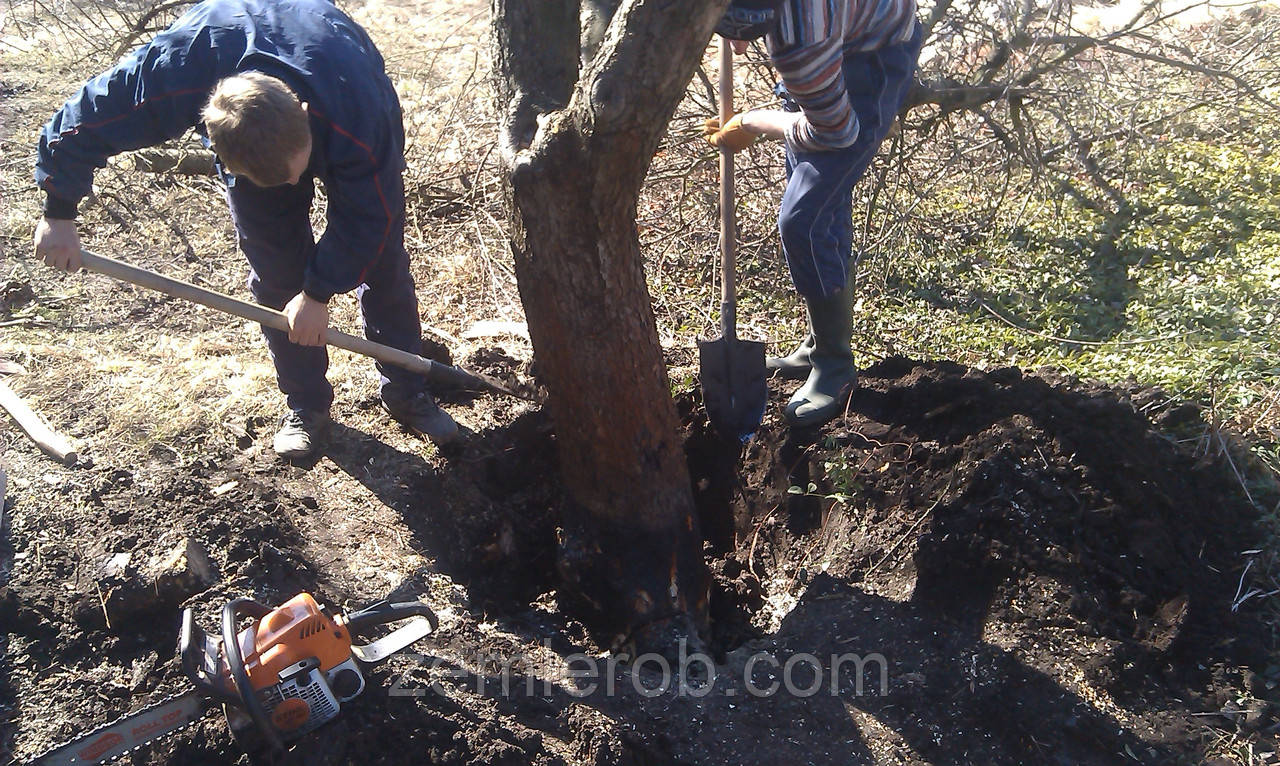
14, 294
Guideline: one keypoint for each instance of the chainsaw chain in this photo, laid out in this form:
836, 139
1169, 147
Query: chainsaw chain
144, 709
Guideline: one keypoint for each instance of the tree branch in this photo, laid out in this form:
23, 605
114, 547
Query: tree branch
634, 61
952, 96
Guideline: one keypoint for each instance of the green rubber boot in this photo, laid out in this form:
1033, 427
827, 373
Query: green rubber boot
793, 366
827, 389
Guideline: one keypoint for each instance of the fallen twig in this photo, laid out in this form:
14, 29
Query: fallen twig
182, 162
48, 440
33, 321
102, 600
1226, 453
1055, 338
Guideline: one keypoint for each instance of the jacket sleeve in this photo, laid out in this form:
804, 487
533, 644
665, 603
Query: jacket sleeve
807, 51
365, 215
135, 104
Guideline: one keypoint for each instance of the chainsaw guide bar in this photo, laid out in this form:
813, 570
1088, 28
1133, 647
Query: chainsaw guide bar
121, 737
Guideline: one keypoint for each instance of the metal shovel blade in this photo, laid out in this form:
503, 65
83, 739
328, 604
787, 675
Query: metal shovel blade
733, 385
456, 377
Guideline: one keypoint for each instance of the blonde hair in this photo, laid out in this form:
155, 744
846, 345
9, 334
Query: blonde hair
256, 124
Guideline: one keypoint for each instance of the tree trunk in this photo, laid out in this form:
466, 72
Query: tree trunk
577, 147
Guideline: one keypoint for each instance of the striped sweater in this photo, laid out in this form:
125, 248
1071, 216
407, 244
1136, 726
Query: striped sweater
808, 50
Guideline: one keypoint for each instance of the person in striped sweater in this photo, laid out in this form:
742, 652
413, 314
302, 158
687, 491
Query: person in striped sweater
846, 67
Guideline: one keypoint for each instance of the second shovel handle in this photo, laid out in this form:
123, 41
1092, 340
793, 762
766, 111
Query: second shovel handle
728, 222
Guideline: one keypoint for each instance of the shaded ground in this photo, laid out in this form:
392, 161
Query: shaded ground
1026, 569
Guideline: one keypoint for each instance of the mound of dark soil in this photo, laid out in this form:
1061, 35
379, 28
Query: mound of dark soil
1050, 518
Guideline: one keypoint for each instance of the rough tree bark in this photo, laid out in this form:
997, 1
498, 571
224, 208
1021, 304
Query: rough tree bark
582, 115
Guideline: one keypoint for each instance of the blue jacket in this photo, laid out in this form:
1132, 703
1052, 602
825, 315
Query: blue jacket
157, 92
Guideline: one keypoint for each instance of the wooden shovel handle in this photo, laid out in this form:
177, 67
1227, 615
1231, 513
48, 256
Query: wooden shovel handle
263, 315
268, 317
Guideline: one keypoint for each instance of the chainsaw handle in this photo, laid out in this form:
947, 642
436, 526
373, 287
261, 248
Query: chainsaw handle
195, 651
384, 612
231, 614
191, 645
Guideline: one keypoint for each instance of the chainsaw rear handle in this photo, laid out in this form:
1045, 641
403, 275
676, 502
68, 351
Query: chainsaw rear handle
384, 612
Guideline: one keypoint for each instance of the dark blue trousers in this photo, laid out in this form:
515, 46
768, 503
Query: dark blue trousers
816, 219
273, 227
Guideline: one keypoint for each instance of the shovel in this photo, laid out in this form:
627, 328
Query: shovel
732, 370
434, 372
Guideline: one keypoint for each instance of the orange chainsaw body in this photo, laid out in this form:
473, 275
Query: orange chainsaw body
294, 631
294, 667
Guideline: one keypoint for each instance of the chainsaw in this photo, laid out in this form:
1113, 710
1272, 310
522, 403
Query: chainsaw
286, 673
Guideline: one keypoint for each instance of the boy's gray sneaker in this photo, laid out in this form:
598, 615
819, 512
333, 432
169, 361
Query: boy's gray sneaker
423, 416
300, 433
